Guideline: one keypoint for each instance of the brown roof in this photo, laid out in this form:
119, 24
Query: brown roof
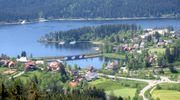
73, 84
54, 65
30, 63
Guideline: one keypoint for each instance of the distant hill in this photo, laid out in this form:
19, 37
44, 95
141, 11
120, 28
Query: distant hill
13, 10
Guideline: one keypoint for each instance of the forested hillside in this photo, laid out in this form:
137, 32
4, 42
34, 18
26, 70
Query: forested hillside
13, 10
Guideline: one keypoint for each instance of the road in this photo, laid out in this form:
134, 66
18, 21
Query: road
151, 83
17, 75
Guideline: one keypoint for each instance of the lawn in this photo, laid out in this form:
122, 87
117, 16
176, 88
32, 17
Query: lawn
2, 69
114, 55
32, 73
158, 50
166, 94
25, 77
116, 87
124, 92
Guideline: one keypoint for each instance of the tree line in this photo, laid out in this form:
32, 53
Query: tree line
18, 89
170, 56
13, 10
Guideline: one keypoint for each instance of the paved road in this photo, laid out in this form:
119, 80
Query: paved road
126, 78
17, 75
151, 83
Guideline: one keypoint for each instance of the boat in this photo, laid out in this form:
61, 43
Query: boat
23, 22
81, 56
97, 49
73, 57
62, 43
66, 58
73, 42
42, 20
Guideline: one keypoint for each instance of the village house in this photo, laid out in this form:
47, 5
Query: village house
139, 51
149, 32
176, 35
135, 46
39, 62
30, 66
74, 72
126, 47
113, 65
142, 45
155, 40
91, 74
161, 31
124, 69
7, 63
161, 43
73, 83
22, 59
54, 66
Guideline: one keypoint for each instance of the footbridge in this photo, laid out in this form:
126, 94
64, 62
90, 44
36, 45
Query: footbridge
71, 57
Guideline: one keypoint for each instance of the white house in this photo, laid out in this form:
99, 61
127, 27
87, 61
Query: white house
124, 69
91, 76
22, 59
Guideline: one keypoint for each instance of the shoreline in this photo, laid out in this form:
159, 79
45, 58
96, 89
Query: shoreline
87, 19
93, 42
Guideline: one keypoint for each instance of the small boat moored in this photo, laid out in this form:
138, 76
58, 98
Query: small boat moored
81, 56
73, 57
62, 43
97, 49
66, 58
73, 42
23, 22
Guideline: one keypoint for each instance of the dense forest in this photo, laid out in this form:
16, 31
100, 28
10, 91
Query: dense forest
17, 90
90, 33
14, 10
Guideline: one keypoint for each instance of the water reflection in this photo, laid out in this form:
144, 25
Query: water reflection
96, 62
83, 46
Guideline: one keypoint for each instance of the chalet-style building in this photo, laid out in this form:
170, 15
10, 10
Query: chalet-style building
7, 63
73, 84
113, 65
39, 62
74, 72
91, 74
30, 66
22, 59
54, 66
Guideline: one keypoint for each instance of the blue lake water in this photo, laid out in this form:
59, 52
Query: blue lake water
17, 38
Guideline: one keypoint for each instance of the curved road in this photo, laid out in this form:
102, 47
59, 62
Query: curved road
151, 83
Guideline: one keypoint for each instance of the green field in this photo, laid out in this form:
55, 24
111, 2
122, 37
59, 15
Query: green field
118, 88
124, 92
114, 55
158, 50
166, 94
2, 69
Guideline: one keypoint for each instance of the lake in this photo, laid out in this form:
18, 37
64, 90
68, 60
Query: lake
17, 38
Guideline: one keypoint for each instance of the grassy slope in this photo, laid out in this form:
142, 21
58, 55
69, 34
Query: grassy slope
2, 69
114, 55
114, 86
124, 92
166, 94
25, 77
158, 50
